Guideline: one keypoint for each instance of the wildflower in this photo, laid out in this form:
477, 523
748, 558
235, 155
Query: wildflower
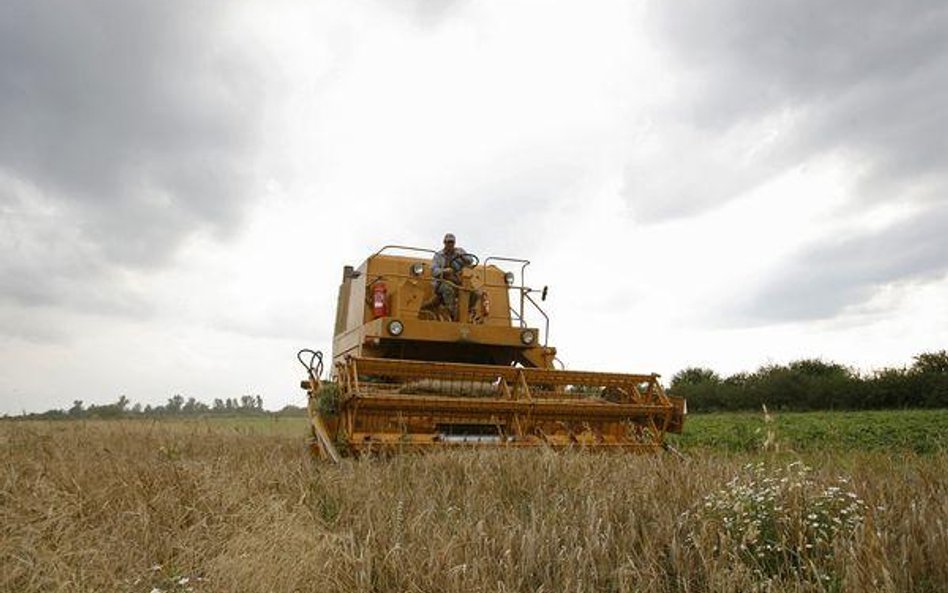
760, 518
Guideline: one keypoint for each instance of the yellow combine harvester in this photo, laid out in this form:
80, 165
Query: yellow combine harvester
411, 372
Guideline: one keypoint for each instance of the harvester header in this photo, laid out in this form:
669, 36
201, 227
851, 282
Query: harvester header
434, 350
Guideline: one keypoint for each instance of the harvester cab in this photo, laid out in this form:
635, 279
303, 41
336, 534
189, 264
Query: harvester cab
410, 371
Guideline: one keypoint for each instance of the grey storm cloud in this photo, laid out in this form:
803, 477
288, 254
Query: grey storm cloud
765, 56
867, 80
837, 273
127, 126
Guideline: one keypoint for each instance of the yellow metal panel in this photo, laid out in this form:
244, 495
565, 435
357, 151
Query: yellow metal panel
447, 331
357, 305
395, 271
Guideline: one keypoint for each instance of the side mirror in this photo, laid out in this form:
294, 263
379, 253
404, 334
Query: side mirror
543, 294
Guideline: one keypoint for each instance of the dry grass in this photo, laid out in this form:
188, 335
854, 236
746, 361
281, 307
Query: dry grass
135, 505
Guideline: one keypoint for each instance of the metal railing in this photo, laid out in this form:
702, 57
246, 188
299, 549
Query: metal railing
405, 247
524, 291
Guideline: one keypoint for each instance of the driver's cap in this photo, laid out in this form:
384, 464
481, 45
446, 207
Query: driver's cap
449, 238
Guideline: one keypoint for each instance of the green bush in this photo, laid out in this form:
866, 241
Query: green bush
813, 384
327, 399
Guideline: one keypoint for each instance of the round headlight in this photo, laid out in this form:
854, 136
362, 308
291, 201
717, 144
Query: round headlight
509, 278
527, 336
417, 269
395, 327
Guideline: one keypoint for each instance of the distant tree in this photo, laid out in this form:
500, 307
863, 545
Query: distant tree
54, 413
887, 388
700, 386
175, 404
113, 410
815, 367
694, 376
194, 407
800, 385
929, 377
931, 362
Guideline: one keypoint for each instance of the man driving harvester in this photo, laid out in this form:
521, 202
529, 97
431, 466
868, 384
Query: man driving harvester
446, 269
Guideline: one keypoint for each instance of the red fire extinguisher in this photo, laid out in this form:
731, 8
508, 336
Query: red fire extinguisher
379, 298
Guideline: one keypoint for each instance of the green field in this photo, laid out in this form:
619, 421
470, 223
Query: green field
919, 431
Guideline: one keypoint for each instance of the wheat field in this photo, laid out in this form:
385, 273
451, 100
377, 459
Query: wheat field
145, 506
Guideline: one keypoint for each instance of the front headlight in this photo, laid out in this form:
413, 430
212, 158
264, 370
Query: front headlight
509, 278
417, 269
395, 327
527, 337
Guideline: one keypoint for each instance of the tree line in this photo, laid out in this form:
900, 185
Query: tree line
177, 405
809, 384
813, 384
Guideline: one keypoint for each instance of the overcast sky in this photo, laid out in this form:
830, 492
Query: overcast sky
723, 184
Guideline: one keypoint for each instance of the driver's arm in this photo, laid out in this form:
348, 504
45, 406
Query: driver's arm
437, 265
467, 260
